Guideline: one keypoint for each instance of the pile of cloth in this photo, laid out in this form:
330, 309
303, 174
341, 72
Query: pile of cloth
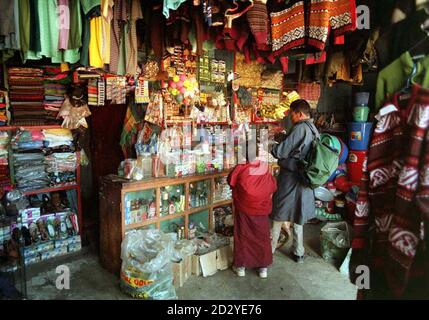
26, 95
60, 159
28, 160
4, 160
3, 108
55, 87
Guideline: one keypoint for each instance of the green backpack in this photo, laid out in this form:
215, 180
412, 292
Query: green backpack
319, 164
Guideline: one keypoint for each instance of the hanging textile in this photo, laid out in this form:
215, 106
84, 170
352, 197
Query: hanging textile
396, 189
394, 77
120, 17
340, 15
131, 49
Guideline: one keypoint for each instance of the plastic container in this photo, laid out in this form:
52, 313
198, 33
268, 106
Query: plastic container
360, 114
361, 98
355, 165
359, 135
145, 162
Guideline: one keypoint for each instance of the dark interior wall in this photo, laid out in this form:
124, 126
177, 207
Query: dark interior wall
105, 155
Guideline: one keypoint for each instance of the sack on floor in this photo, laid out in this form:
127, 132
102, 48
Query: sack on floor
335, 240
146, 265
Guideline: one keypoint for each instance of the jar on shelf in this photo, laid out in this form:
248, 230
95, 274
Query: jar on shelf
145, 162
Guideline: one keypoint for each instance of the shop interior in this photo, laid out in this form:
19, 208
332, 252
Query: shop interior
120, 122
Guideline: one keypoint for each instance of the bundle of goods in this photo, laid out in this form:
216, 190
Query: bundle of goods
26, 95
146, 271
55, 88
4, 158
28, 159
61, 160
224, 221
330, 198
3, 108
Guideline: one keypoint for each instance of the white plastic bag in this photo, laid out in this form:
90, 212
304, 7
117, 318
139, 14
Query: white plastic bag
146, 265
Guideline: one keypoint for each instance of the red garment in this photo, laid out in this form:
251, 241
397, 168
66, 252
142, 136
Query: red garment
252, 187
252, 243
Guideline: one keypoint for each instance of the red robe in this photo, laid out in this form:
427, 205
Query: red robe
252, 188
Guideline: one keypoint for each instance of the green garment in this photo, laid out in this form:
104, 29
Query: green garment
24, 24
49, 34
394, 77
88, 5
75, 36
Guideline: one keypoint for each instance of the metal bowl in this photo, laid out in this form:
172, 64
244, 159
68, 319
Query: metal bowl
323, 194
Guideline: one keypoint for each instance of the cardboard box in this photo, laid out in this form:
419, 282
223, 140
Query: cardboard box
195, 265
178, 279
73, 247
224, 258
187, 268
208, 263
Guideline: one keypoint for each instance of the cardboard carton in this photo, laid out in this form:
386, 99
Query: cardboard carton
224, 257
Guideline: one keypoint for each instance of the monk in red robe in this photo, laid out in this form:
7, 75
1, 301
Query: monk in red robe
252, 189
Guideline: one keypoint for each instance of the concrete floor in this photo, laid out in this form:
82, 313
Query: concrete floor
315, 279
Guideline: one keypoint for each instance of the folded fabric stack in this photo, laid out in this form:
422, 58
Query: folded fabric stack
55, 86
4, 159
3, 108
28, 160
61, 160
26, 95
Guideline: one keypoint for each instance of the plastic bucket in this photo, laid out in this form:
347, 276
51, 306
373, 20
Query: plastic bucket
355, 165
360, 114
361, 98
359, 135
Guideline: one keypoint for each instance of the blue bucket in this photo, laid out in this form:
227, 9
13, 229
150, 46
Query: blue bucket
359, 135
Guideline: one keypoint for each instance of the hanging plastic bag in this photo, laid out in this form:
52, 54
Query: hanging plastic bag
146, 271
335, 240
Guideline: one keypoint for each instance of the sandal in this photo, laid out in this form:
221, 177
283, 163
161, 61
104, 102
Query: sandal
26, 235
70, 229
74, 221
42, 229
34, 232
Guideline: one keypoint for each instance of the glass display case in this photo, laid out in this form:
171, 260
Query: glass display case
172, 200
198, 222
199, 194
176, 225
222, 191
139, 206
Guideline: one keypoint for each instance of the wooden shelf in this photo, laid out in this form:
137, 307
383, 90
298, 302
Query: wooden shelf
16, 127
198, 209
52, 189
222, 203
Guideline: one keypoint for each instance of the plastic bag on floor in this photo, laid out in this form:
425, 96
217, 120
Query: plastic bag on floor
146, 265
335, 240
182, 249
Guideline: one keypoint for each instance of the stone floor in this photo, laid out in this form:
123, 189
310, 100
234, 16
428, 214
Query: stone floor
315, 279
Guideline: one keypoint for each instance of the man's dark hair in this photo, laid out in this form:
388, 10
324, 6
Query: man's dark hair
301, 105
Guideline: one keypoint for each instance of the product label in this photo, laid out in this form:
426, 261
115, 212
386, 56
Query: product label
356, 135
353, 158
135, 282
